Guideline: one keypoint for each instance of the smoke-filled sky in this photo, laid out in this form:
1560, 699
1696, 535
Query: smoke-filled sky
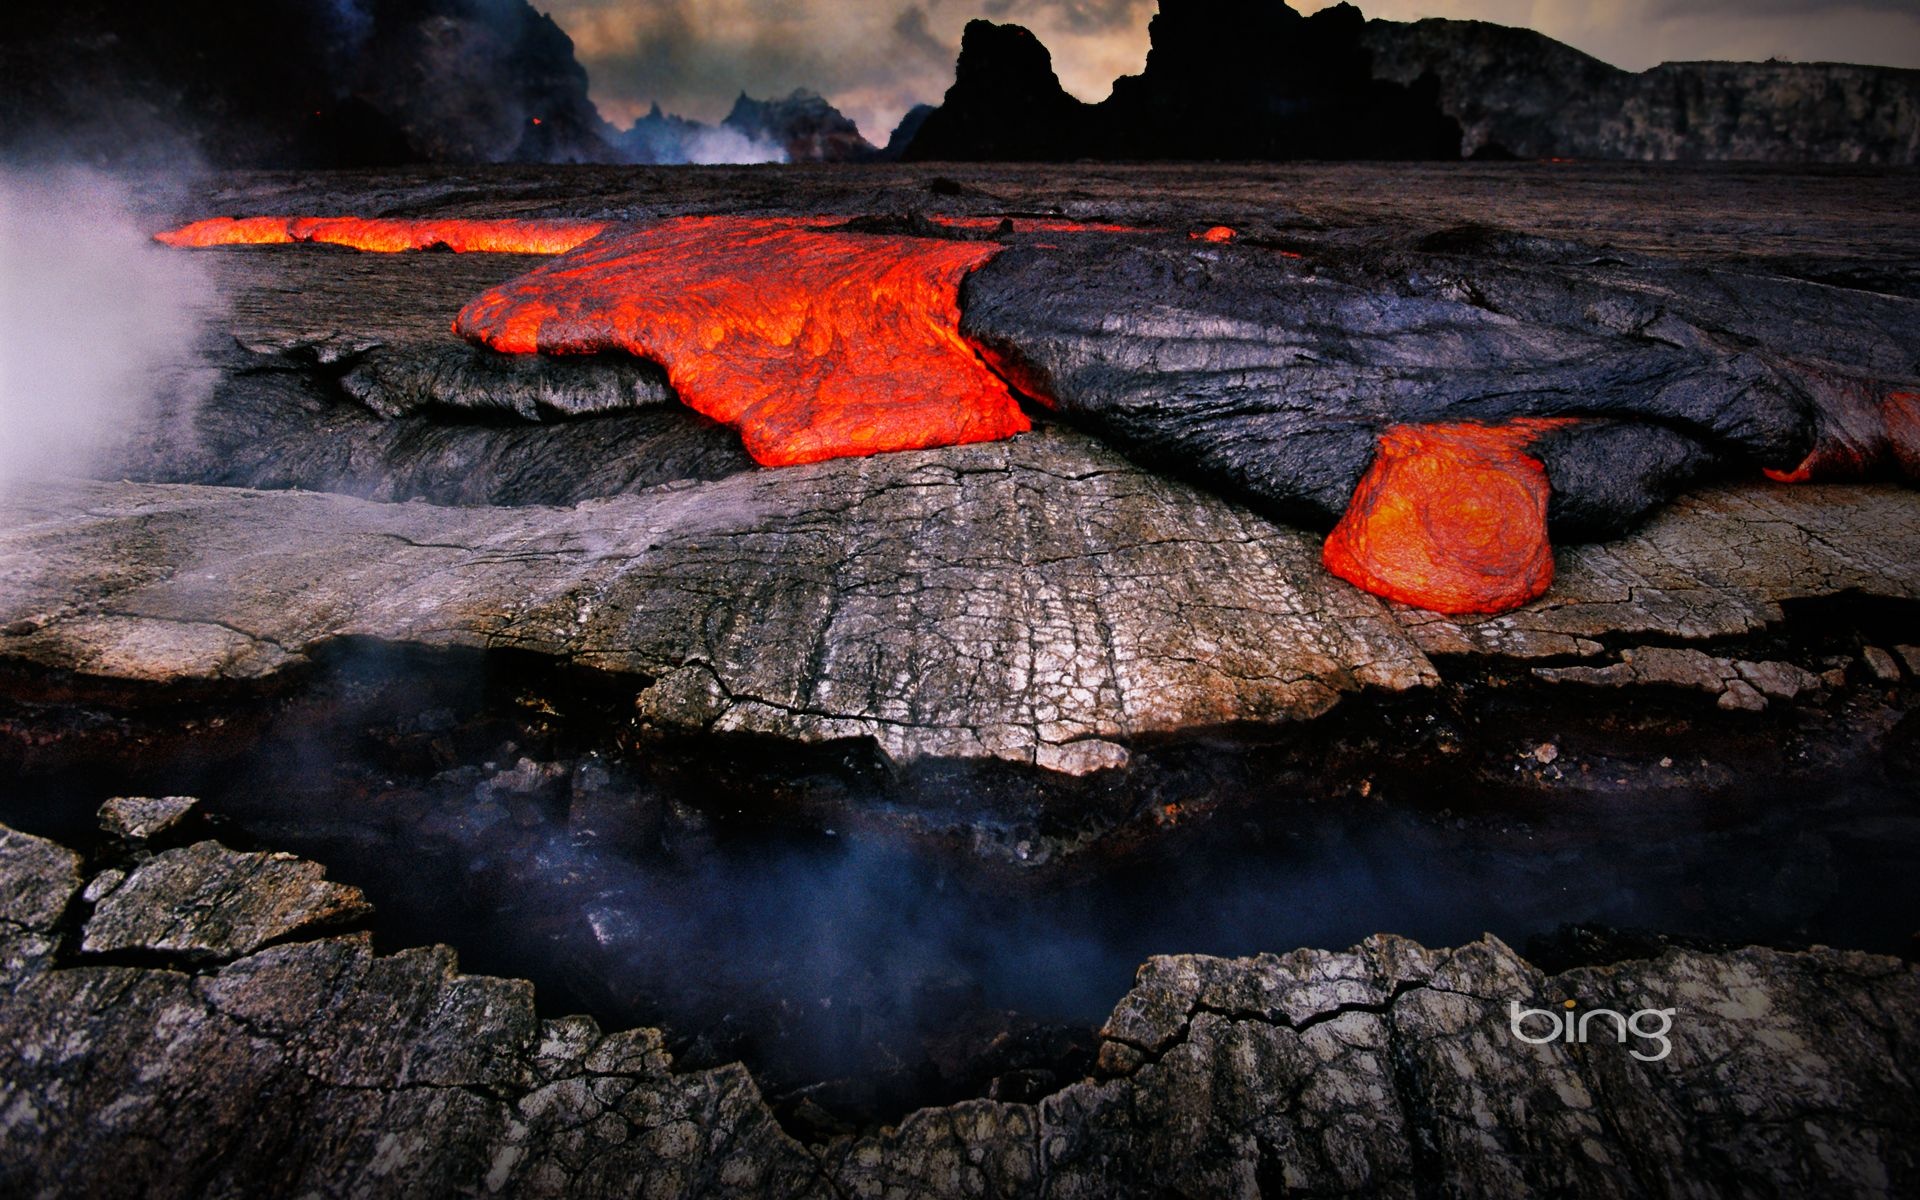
877, 59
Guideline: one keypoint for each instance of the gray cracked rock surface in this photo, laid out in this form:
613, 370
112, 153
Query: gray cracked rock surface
1385, 1069
1011, 600
1718, 563
38, 879
208, 902
1737, 683
139, 817
1038, 601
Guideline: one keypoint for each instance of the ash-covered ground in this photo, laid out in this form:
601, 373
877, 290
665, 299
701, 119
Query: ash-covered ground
881, 775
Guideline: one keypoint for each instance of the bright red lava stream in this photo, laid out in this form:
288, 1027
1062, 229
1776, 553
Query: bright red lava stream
389, 235
814, 344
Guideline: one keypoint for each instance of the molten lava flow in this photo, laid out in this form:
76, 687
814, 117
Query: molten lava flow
1860, 430
1219, 233
813, 344
1450, 517
389, 235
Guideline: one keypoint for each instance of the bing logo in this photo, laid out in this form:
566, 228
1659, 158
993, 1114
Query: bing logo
1539, 1026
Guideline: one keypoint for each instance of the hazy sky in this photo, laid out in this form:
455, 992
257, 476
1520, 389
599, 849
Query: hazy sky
876, 59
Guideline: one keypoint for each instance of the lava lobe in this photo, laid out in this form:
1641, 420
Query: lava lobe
391, 235
1450, 517
813, 344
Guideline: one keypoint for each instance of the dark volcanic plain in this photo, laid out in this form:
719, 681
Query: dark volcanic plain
879, 776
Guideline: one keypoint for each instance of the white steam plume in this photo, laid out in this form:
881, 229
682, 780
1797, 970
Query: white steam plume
98, 324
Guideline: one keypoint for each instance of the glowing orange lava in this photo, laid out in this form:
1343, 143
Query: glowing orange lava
1450, 517
813, 344
555, 235
1219, 233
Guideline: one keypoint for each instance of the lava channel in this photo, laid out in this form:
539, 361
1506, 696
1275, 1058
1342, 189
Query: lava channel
1450, 517
386, 235
813, 344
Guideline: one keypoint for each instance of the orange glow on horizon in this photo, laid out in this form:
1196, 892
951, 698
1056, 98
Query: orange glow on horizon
389, 235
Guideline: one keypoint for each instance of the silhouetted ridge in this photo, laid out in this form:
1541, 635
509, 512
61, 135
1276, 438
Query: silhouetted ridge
1224, 79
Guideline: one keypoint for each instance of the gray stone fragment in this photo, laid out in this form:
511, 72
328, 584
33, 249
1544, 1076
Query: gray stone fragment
137, 817
101, 884
37, 881
1741, 696
1777, 680
1880, 664
209, 902
1911, 656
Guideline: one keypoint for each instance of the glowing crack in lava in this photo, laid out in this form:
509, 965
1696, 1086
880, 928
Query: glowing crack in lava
813, 344
391, 235
1450, 517
1859, 432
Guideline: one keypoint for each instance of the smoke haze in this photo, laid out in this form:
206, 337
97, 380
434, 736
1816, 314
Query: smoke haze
97, 323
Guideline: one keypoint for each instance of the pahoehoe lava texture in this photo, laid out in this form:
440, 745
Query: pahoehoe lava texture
1451, 518
1271, 374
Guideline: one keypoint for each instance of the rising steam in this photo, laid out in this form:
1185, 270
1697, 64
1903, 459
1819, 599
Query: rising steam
97, 323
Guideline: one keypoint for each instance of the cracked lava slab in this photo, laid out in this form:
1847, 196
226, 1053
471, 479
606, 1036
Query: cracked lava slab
1450, 517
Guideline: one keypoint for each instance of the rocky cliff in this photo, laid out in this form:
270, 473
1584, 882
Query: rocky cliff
1253, 79
803, 124
1520, 93
1225, 79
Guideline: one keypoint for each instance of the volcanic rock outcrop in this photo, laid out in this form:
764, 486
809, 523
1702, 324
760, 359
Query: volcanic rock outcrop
308, 83
318, 1065
1520, 93
803, 125
1225, 79
799, 127
1272, 367
1038, 601
1271, 374
1262, 371
1252, 79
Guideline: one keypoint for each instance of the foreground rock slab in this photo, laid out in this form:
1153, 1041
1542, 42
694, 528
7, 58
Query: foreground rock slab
1040, 601
1019, 600
1388, 1069
206, 901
